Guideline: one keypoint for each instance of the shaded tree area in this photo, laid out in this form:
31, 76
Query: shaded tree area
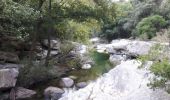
32, 21
132, 14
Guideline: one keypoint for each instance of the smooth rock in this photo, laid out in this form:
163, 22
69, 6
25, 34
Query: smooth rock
8, 78
53, 93
81, 85
67, 82
86, 66
22, 93
125, 82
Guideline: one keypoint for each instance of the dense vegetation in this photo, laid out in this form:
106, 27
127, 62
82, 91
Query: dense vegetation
26, 23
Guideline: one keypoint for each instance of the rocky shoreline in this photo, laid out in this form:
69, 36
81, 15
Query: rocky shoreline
122, 53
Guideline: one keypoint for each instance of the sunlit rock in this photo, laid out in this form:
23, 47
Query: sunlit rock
125, 82
66, 82
116, 59
86, 66
53, 93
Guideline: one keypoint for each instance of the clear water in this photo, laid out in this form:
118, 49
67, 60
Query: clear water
102, 65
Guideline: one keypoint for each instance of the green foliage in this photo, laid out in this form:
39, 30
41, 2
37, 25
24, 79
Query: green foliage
153, 55
160, 67
32, 73
115, 29
76, 31
150, 26
17, 20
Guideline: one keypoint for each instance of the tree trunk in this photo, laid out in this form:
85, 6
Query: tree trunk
49, 39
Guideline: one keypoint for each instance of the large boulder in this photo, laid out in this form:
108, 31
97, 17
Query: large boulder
125, 82
8, 57
128, 47
22, 93
53, 93
139, 47
8, 78
66, 82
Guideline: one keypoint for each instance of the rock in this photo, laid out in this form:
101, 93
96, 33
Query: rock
9, 65
124, 82
124, 46
9, 57
43, 54
55, 44
101, 48
53, 93
79, 48
116, 59
139, 47
8, 78
86, 66
66, 82
81, 85
22, 93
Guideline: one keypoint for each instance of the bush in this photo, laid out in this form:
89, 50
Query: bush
160, 67
150, 25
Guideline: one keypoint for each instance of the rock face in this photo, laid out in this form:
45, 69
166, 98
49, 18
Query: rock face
127, 47
53, 93
8, 78
66, 82
22, 93
125, 82
8, 57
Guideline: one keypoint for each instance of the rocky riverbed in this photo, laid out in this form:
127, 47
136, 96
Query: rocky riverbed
93, 81
124, 82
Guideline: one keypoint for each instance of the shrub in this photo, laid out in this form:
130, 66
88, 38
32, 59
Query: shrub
160, 67
150, 25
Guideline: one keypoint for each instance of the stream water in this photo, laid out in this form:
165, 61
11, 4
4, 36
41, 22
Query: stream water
101, 66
